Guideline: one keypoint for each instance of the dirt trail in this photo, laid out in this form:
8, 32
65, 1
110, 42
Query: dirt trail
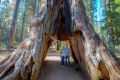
54, 71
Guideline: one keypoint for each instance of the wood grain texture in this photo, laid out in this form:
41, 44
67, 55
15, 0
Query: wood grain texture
26, 61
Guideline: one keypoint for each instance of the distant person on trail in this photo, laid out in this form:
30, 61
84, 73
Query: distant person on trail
65, 55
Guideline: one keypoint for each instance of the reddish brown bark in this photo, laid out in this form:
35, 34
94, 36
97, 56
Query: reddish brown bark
90, 52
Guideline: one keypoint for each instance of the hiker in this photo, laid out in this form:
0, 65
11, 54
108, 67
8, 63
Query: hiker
65, 55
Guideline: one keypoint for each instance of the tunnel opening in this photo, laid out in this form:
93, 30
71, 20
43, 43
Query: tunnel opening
53, 70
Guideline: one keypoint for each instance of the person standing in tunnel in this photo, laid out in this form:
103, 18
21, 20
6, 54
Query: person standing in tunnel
65, 55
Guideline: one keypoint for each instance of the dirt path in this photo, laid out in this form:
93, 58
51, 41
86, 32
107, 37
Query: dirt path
54, 71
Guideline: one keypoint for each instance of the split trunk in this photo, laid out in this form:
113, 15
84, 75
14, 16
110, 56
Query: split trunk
63, 20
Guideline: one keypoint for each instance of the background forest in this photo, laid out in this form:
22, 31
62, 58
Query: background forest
16, 16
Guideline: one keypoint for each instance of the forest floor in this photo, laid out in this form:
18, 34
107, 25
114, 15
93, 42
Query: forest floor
3, 55
53, 70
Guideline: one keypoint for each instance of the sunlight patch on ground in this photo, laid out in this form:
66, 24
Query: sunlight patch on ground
56, 58
53, 58
3, 55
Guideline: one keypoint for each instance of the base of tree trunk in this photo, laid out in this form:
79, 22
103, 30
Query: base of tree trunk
89, 51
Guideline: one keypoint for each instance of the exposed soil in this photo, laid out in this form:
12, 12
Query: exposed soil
53, 70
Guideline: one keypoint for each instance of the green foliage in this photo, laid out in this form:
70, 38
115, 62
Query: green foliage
110, 34
27, 11
97, 75
113, 15
88, 7
2, 44
4, 20
16, 43
62, 46
29, 8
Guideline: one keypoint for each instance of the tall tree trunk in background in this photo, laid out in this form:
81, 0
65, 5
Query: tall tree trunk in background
22, 31
37, 3
0, 26
1, 30
23, 23
58, 45
1, 35
94, 58
111, 29
11, 35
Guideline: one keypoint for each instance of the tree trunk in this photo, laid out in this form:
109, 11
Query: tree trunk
23, 22
26, 61
22, 31
1, 35
111, 29
94, 54
37, 2
11, 35
95, 60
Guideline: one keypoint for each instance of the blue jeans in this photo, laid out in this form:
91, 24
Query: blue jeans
62, 60
67, 60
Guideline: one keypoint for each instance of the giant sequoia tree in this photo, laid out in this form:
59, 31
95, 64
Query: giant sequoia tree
64, 20
12, 30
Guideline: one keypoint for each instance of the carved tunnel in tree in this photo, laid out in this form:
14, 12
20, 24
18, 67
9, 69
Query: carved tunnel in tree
63, 20
61, 25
